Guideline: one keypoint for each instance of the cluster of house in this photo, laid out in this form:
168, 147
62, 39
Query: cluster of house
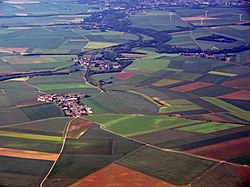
150, 4
91, 25
204, 55
98, 63
69, 103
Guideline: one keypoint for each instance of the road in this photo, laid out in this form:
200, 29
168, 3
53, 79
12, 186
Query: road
61, 151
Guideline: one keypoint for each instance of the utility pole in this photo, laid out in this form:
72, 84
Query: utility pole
206, 13
170, 15
241, 14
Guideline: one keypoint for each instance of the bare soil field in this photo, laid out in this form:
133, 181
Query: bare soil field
115, 175
18, 153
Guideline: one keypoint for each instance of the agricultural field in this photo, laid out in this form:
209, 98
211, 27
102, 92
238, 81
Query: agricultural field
191, 86
41, 111
167, 93
177, 106
147, 20
78, 127
60, 84
82, 157
121, 176
217, 16
32, 170
103, 103
141, 124
35, 40
235, 175
174, 164
43, 62
208, 127
152, 62
223, 104
224, 150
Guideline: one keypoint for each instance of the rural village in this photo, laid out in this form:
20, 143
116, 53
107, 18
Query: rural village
69, 103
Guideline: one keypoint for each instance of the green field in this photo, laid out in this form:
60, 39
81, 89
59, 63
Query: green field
89, 154
151, 63
178, 105
104, 103
42, 111
143, 119
62, 86
242, 115
131, 125
148, 20
29, 136
136, 101
57, 79
24, 166
50, 146
209, 127
44, 127
223, 104
44, 135
109, 37
5, 102
99, 45
12, 116
175, 168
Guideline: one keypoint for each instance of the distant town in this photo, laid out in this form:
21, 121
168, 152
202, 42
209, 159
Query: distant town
152, 4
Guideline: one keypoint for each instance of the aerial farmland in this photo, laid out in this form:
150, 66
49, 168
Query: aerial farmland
131, 93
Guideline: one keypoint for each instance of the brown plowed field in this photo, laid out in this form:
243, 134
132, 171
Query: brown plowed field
242, 83
125, 75
77, 127
191, 86
224, 150
115, 175
19, 153
240, 95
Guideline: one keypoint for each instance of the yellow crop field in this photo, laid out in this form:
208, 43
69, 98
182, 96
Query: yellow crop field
165, 82
98, 45
222, 73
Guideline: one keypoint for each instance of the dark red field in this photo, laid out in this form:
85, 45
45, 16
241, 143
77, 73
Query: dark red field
244, 171
125, 75
191, 86
242, 83
224, 150
116, 175
248, 59
214, 118
224, 175
25, 103
240, 95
